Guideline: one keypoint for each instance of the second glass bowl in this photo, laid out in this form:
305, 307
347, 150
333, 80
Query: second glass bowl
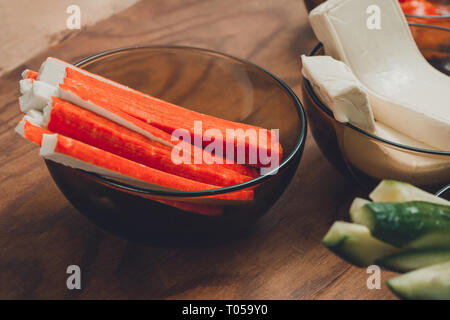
367, 158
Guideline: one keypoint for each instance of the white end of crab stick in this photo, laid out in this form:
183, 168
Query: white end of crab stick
49, 142
29, 74
34, 117
25, 73
53, 71
25, 85
30, 131
38, 97
20, 128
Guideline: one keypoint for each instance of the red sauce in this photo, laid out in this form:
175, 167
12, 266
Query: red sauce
423, 8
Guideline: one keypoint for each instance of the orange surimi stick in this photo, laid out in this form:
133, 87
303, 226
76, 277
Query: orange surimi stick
101, 97
86, 97
31, 132
79, 155
29, 74
169, 117
34, 134
157, 112
83, 125
83, 97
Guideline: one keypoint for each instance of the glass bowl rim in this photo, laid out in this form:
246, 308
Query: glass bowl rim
439, 16
324, 108
210, 192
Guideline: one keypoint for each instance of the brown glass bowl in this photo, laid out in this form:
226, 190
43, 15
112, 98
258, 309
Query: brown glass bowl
367, 158
204, 81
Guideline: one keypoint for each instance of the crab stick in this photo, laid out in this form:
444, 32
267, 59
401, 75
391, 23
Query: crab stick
34, 133
40, 93
90, 98
83, 125
79, 155
76, 154
169, 117
31, 132
158, 113
29, 74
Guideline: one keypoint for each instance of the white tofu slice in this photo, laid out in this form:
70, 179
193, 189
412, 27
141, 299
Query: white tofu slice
405, 91
381, 161
340, 90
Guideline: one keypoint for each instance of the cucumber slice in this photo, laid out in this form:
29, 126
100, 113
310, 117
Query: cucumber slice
436, 240
428, 283
356, 208
353, 243
416, 259
395, 191
401, 223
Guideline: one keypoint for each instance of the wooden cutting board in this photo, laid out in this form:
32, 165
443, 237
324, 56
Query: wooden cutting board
281, 258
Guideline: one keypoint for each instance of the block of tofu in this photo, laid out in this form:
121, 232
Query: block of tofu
380, 161
337, 87
405, 91
340, 90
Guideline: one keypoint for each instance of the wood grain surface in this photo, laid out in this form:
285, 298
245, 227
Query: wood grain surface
29, 26
281, 257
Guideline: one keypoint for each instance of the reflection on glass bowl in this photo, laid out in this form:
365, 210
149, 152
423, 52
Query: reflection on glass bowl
368, 158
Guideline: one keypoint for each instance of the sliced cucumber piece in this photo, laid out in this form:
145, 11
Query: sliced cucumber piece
428, 283
401, 223
356, 207
416, 259
395, 191
353, 243
434, 240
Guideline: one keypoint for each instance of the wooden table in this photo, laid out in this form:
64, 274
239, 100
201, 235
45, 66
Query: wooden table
282, 258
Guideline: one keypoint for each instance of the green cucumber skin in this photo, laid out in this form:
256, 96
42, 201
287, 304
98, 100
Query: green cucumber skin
415, 259
353, 243
401, 223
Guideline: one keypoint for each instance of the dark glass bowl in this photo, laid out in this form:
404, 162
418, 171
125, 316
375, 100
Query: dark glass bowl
204, 81
360, 155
